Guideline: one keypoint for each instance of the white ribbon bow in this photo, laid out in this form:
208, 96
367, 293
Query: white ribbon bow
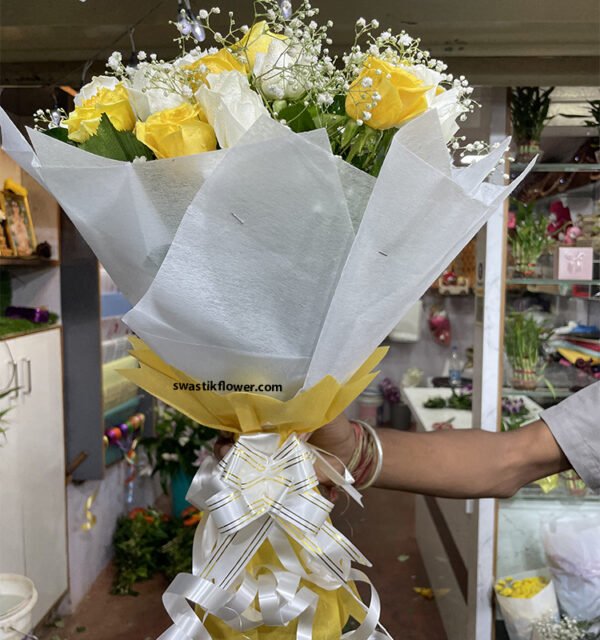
260, 492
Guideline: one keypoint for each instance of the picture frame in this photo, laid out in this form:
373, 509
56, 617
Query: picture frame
18, 224
7, 249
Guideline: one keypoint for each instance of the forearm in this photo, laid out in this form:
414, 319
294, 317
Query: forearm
469, 463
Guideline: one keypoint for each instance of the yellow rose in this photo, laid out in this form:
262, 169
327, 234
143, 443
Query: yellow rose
218, 62
182, 131
403, 95
256, 40
83, 122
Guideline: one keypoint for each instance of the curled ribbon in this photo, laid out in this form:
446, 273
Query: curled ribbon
261, 492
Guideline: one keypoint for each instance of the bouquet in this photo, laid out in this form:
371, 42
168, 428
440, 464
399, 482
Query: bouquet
526, 599
271, 212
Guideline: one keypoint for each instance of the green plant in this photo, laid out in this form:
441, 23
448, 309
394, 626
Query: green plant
177, 553
147, 542
462, 401
137, 542
523, 338
529, 238
529, 108
592, 117
178, 444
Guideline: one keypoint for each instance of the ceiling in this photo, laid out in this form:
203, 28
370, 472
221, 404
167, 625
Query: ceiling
502, 43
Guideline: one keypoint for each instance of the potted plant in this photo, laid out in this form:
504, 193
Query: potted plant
523, 337
592, 121
529, 113
176, 451
528, 238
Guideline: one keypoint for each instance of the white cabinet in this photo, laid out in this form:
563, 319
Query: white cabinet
33, 537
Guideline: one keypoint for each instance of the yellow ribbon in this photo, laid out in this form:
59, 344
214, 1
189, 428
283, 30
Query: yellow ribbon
90, 518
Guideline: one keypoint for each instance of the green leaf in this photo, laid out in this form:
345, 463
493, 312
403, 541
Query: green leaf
59, 133
116, 145
298, 118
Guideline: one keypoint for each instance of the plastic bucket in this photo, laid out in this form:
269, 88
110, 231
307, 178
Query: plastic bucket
18, 596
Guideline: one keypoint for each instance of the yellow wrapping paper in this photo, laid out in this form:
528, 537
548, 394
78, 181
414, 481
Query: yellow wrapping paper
247, 413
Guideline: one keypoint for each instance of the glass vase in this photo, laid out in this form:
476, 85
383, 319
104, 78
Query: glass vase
527, 150
524, 376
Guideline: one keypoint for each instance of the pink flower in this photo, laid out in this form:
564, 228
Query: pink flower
512, 220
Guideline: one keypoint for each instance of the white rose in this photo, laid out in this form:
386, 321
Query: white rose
429, 77
230, 105
91, 88
449, 109
445, 102
145, 100
281, 72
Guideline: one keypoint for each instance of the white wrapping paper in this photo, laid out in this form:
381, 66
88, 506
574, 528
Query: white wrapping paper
521, 614
273, 261
572, 548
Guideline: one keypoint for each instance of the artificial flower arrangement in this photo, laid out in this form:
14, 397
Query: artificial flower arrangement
271, 212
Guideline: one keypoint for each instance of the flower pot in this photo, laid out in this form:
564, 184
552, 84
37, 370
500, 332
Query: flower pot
400, 416
527, 150
180, 483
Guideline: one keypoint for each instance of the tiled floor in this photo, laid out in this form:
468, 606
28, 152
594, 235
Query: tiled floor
384, 531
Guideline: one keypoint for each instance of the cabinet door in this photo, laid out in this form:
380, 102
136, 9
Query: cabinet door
42, 459
12, 547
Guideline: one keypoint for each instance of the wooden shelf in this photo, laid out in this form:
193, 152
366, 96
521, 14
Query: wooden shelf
29, 263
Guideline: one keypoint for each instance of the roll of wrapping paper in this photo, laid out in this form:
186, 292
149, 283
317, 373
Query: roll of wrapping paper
117, 390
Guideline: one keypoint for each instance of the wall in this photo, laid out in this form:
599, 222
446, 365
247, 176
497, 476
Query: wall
90, 551
426, 354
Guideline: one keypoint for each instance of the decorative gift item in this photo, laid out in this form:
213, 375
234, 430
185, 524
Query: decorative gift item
523, 337
529, 114
528, 240
439, 326
574, 263
452, 284
176, 452
19, 226
265, 273
525, 599
559, 219
573, 555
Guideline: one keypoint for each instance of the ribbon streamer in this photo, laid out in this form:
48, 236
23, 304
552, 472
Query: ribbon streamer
265, 492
